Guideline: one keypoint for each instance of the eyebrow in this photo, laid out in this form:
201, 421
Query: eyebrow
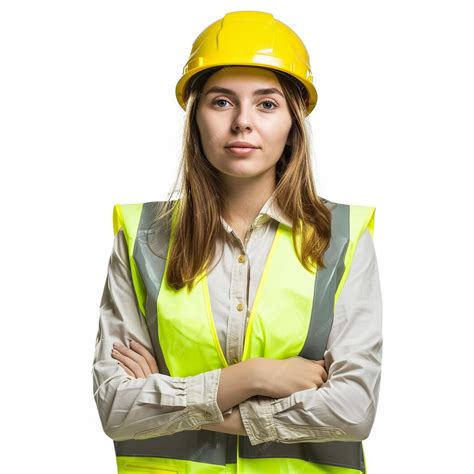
266, 91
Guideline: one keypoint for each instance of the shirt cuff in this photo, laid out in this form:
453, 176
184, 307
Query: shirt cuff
260, 417
257, 417
201, 396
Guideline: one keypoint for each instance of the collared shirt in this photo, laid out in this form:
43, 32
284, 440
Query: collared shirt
342, 409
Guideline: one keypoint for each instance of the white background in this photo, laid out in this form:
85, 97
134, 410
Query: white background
88, 118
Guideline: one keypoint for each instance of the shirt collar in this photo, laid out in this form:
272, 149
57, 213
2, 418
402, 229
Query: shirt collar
269, 210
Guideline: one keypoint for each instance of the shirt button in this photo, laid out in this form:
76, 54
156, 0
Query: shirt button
235, 360
241, 258
208, 415
240, 307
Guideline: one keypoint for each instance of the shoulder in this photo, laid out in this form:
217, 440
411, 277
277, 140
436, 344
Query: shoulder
348, 206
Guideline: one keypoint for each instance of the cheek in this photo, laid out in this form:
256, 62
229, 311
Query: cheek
274, 147
214, 136
275, 132
211, 130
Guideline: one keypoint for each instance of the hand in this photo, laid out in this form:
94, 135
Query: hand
281, 378
137, 361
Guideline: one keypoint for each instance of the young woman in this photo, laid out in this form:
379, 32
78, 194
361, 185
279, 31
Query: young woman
241, 324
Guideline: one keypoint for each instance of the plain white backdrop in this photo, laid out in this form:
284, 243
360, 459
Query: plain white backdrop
88, 118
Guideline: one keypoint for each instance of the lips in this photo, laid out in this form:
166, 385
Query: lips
240, 144
242, 147
240, 151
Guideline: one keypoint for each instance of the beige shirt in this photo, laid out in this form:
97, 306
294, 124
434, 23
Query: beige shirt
342, 409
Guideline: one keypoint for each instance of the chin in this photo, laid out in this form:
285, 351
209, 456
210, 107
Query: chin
243, 173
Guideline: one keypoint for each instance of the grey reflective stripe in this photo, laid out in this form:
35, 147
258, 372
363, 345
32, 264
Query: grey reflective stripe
332, 453
326, 283
149, 253
205, 446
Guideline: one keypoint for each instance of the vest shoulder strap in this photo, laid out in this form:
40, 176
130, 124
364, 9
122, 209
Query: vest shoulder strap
126, 217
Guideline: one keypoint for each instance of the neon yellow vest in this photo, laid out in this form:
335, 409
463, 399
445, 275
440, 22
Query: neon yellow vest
185, 342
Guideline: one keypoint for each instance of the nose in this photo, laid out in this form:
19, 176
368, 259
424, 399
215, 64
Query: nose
242, 120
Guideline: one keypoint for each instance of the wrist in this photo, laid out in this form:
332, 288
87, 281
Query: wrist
232, 424
256, 376
239, 425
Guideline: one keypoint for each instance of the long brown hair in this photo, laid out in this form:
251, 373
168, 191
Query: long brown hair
197, 212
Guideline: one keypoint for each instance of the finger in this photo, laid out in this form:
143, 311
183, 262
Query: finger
322, 363
323, 373
324, 376
130, 363
129, 372
139, 359
142, 350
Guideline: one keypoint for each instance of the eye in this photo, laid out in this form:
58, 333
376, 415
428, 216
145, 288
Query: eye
270, 102
219, 100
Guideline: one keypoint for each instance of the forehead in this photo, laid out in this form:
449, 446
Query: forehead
243, 76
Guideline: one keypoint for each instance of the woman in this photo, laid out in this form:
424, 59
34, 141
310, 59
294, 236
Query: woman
240, 325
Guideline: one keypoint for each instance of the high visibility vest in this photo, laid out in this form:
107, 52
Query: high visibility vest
185, 342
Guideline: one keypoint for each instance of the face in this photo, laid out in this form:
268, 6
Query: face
243, 112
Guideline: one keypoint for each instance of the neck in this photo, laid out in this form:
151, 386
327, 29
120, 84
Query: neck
244, 197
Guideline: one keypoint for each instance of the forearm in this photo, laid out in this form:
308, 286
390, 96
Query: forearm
237, 383
344, 407
232, 424
158, 405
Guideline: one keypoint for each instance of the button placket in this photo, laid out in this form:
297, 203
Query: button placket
238, 298
239, 288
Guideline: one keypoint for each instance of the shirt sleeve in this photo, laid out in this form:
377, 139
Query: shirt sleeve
344, 407
142, 408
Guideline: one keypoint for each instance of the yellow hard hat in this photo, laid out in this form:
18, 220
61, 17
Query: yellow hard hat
249, 38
